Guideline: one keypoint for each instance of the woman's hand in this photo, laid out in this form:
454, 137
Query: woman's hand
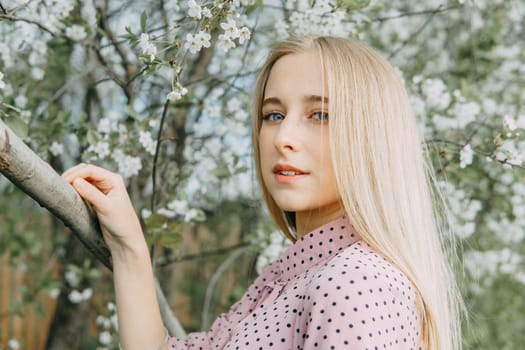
140, 322
106, 192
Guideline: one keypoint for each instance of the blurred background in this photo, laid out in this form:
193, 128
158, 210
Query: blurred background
88, 81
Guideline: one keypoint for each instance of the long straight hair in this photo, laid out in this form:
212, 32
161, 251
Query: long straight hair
384, 179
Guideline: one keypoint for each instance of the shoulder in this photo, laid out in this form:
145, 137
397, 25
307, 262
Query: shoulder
364, 273
365, 295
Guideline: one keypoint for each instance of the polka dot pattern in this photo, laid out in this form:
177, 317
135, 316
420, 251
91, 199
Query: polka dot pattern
329, 290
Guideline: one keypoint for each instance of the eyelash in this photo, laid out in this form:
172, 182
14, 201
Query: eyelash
268, 116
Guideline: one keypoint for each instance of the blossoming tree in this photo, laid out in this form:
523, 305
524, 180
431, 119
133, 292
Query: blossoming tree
160, 92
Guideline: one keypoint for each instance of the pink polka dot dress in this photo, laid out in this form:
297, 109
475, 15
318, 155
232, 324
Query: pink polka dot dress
328, 291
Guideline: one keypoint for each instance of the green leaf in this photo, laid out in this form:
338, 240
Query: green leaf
92, 137
222, 171
143, 18
15, 123
169, 240
155, 222
241, 170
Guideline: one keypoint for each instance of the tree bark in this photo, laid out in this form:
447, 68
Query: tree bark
41, 182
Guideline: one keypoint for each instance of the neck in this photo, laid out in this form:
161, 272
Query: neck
306, 222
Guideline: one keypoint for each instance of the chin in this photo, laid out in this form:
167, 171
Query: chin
289, 207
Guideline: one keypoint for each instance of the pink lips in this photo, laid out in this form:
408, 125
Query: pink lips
285, 173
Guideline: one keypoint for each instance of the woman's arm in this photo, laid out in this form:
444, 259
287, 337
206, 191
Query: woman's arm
140, 323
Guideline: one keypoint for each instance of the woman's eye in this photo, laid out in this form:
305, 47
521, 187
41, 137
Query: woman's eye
320, 116
273, 117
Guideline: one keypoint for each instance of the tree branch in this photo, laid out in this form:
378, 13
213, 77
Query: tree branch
40, 181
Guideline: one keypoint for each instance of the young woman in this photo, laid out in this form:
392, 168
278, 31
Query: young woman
339, 159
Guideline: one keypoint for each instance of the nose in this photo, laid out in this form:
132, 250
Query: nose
287, 137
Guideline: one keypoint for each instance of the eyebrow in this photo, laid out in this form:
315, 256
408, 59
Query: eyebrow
308, 98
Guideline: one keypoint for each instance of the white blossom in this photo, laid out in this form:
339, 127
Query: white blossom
53, 293
244, 35
112, 307
206, 12
465, 113
230, 29
272, 249
56, 148
194, 9
72, 278
100, 149
466, 156
509, 123
114, 320
177, 93
100, 320
436, 93
147, 46
147, 141
105, 338
37, 73
145, 213
13, 344
75, 296
178, 206
225, 43
21, 101
508, 152
196, 42
193, 214
107, 125
76, 32
87, 293
128, 166
2, 83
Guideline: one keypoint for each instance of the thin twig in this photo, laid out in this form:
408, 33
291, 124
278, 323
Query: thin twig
416, 13
475, 150
156, 157
414, 34
173, 259
3, 9
27, 20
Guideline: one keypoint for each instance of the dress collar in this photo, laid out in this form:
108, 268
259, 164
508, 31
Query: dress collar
314, 247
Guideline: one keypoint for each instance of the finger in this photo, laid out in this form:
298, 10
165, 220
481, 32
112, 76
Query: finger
90, 193
73, 169
91, 172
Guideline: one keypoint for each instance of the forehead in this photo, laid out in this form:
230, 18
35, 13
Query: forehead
297, 74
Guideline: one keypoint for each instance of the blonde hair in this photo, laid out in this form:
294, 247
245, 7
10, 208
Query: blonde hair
384, 180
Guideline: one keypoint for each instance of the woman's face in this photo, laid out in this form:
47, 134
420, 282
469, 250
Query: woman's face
294, 140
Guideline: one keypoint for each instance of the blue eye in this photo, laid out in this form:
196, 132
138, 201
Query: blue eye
273, 117
320, 116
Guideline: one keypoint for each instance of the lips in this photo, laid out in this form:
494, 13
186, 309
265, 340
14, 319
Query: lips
287, 170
